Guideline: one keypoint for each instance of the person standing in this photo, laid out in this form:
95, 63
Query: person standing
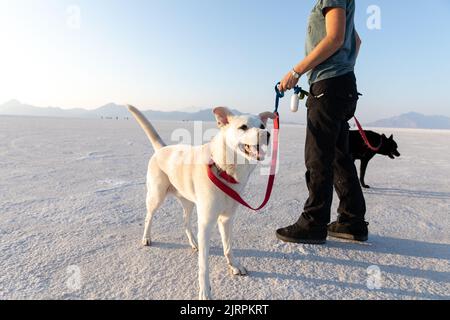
332, 47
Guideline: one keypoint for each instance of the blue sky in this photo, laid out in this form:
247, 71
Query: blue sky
175, 54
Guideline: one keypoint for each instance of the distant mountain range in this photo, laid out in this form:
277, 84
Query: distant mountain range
112, 110
413, 120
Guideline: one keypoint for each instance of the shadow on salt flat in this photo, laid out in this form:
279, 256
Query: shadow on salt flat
351, 285
409, 193
377, 244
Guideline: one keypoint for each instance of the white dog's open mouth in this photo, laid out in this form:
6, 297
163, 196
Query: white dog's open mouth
254, 152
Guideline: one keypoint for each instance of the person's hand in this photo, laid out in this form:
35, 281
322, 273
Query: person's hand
288, 82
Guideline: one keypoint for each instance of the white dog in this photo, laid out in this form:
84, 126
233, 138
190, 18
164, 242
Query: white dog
182, 171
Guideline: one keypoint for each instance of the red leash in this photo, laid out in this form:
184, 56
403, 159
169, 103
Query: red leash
232, 193
364, 137
225, 177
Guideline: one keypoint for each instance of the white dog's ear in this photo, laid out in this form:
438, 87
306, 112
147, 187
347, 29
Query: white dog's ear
223, 116
265, 116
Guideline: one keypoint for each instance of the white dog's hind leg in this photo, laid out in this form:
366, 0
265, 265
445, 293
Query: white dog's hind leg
205, 225
188, 207
154, 201
226, 229
158, 185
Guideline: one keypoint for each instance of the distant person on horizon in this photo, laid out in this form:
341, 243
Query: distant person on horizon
332, 47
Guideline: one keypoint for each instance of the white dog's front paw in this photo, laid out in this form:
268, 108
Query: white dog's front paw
205, 294
146, 242
237, 270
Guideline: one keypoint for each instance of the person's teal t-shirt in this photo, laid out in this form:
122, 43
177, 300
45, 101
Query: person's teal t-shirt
344, 60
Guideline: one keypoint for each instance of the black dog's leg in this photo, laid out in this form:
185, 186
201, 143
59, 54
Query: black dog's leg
362, 174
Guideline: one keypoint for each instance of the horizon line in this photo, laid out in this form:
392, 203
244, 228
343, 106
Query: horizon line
181, 109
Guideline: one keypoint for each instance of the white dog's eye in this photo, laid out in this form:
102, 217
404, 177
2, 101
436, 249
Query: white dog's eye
244, 127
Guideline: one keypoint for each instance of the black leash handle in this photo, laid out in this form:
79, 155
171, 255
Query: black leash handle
279, 95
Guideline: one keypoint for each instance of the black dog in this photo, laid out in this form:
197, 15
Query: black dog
360, 151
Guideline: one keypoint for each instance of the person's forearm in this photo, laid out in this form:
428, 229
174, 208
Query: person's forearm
325, 49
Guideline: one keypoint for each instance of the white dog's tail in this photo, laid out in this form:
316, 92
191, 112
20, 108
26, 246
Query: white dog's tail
150, 131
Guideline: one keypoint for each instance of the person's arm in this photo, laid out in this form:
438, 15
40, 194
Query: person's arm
335, 19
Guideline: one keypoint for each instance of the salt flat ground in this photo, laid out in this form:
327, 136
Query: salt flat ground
72, 194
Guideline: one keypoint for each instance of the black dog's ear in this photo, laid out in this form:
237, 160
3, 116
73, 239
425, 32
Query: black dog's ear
391, 137
383, 136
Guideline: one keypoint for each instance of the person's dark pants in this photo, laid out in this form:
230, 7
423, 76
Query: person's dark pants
332, 103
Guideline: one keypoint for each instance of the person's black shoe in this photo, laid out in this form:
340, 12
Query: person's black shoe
351, 230
300, 234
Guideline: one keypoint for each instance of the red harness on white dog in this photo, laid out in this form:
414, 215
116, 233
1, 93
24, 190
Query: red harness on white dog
227, 178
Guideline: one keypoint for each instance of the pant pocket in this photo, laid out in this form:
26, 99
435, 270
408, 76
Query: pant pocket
346, 101
318, 93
